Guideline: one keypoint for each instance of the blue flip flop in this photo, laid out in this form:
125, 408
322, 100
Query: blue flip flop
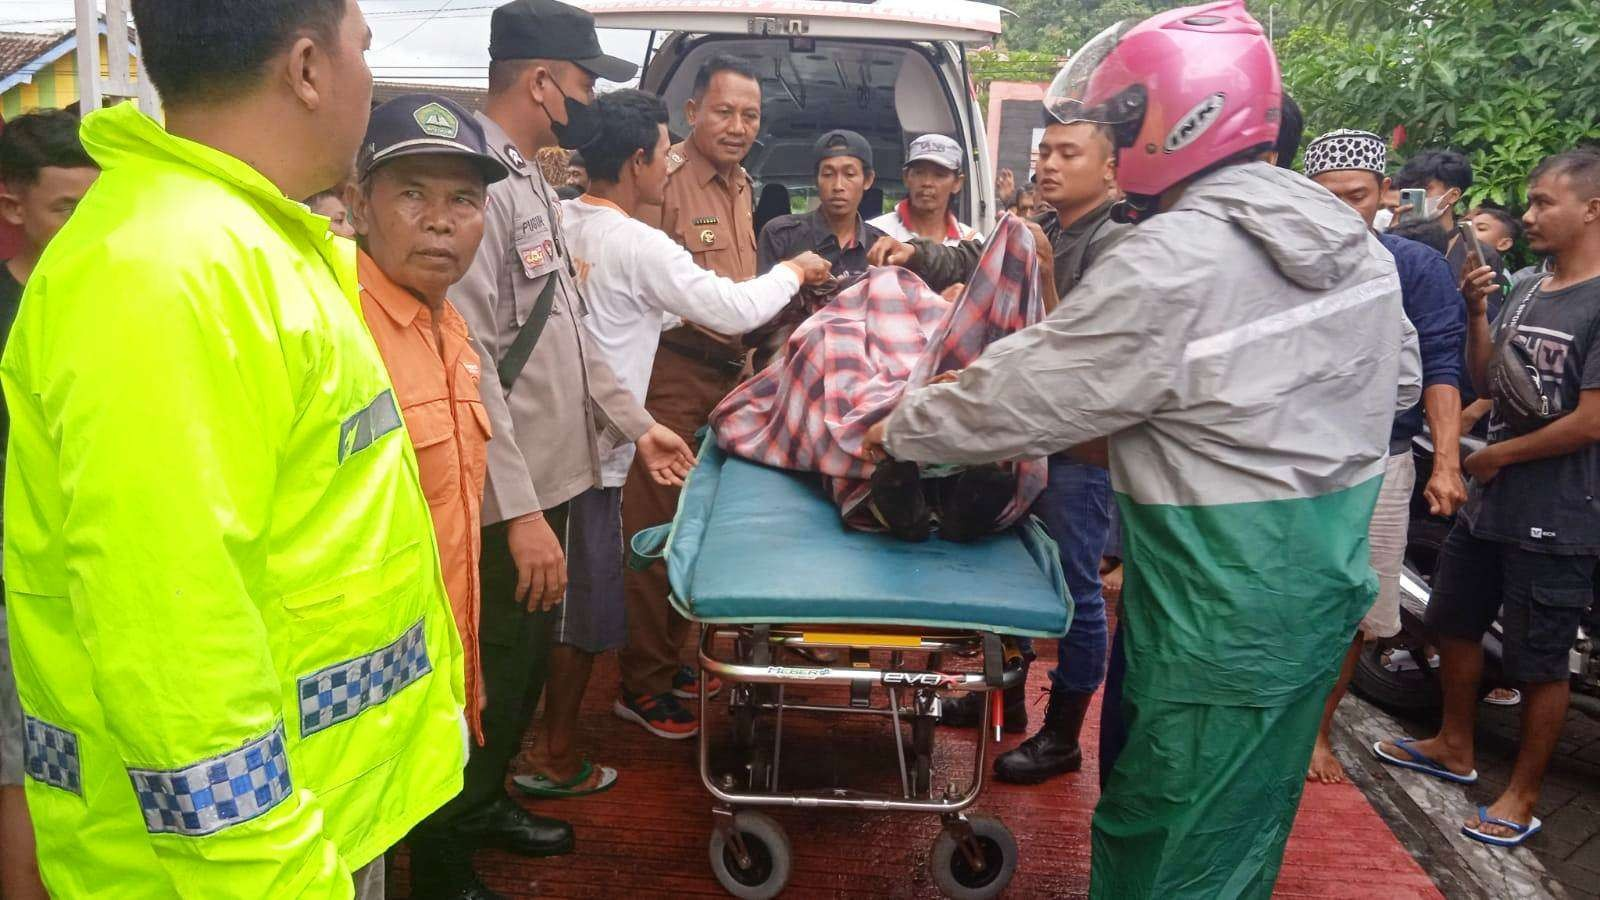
1523, 832
1420, 763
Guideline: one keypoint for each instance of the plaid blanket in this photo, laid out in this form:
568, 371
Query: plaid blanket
846, 367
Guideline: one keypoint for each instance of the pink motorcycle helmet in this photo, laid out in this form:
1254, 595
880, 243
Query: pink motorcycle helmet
1182, 92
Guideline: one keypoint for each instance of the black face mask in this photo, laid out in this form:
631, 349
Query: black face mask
582, 126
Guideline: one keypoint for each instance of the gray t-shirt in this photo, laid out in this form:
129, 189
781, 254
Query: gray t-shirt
1549, 505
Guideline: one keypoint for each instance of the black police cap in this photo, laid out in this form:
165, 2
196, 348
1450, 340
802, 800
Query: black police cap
549, 29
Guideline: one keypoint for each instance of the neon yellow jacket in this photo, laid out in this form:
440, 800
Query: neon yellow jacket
237, 663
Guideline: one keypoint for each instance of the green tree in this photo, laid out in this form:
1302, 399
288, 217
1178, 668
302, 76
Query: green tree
1505, 81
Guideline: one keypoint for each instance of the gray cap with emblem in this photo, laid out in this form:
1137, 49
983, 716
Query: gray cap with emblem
415, 124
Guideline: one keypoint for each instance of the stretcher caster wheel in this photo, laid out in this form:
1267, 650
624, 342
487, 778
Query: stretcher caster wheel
954, 872
768, 857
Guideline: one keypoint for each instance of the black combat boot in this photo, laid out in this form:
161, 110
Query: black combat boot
1054, 750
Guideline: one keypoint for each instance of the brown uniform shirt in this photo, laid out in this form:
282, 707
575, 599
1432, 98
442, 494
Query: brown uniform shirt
712, 217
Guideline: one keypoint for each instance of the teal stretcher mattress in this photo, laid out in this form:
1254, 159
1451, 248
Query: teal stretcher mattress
752, 544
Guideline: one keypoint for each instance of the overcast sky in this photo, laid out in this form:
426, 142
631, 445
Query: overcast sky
412, 40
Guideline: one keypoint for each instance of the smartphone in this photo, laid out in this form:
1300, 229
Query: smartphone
1469, 239
1417, 199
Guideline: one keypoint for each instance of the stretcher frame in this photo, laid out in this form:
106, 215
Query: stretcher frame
759, 662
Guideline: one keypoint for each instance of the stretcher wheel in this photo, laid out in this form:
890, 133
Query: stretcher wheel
770, 857
954, 874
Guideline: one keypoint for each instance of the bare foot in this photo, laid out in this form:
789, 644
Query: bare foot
1324, 765
1506, 807
1456, 761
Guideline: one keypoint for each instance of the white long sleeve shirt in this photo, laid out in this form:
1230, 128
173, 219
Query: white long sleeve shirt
636, 281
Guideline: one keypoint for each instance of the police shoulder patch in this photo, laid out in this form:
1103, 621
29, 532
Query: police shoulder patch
514, 156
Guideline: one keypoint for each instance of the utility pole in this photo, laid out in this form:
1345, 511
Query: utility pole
94, 91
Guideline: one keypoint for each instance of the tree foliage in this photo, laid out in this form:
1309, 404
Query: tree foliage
1505, 81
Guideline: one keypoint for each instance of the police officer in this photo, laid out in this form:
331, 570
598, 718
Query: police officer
709, 210
558, 407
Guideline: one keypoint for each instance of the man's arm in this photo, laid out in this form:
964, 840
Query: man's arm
167, 478
666, 456
942, 266
1476, 288
508, 493
668, 279
1057, 384
1568, 434
1437, 309
508, 485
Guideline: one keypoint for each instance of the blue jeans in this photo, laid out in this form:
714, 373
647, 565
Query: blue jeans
1076, 509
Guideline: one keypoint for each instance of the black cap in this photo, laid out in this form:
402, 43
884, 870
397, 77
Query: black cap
841, 142
549, 29
415, 124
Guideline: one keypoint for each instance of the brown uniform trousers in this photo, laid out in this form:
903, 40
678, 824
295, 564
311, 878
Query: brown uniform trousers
712, 218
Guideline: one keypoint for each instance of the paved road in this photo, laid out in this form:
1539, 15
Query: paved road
1563, 861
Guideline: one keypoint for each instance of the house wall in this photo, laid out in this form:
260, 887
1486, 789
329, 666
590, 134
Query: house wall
55, 87
1014, 113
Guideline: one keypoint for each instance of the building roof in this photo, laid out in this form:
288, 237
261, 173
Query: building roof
471, 97
18, 49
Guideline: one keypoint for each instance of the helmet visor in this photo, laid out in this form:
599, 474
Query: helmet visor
1066, 102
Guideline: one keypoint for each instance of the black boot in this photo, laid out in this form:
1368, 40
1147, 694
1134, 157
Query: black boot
971, 502
965, 710
1054, 750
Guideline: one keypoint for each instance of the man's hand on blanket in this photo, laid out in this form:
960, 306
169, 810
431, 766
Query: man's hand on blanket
890, 252
872, 444
1047, 266
541, 565
665, 455
813, 268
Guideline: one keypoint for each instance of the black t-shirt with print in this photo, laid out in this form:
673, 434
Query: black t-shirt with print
1549, 505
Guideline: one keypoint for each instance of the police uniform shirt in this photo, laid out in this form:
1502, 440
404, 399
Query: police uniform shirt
548, 429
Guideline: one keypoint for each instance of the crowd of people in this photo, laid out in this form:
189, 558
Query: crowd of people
318, 477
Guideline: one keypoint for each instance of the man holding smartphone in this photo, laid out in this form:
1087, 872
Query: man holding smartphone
1350, 165
1525, 547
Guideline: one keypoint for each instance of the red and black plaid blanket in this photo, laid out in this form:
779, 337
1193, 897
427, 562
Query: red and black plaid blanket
846, 367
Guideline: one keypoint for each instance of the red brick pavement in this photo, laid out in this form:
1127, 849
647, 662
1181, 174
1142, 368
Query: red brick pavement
647, 837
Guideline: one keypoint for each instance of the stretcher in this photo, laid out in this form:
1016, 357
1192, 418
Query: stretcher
759, 559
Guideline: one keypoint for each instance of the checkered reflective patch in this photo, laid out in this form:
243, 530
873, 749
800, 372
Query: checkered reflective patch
50, 755
215, 793
343, 690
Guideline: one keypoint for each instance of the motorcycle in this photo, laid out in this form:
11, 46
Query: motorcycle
1400, 673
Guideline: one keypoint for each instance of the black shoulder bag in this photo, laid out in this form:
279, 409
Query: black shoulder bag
1514, 381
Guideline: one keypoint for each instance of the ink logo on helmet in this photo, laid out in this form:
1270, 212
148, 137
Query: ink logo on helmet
1190, 127
434, 119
